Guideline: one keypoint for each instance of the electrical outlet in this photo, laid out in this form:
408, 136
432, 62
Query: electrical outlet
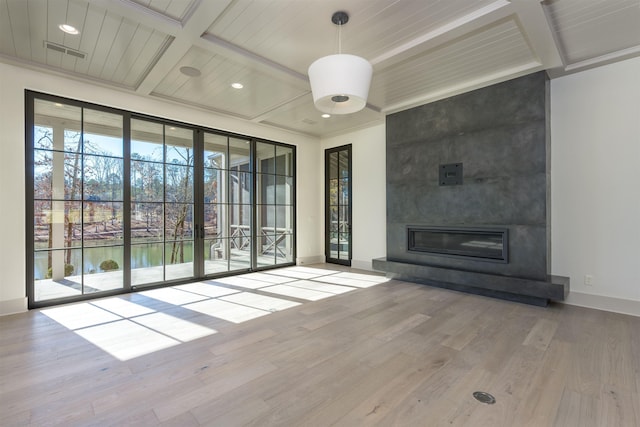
588, 280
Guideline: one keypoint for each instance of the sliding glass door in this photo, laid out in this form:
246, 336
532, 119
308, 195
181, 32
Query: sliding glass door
121, 201
76, 200
162, 202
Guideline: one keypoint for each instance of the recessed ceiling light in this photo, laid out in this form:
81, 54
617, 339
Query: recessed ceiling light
69, 29
57, 104
326, 116
237, 85
190, 71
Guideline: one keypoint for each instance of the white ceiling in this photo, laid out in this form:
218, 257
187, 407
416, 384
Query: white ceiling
421, 50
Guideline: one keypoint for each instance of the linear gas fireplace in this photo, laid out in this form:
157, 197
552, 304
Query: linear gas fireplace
483, 244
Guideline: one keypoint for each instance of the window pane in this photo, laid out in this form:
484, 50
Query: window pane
72, 176
239, 152
147, 262
57, 274
284, 190
284, 160
103, 268
266, 186
284, 218
71, 141
214, 185
179, 146
333, 165
43, 137
267, 217
284, 252
178, 260
102, 224
147, 222
57, 224
343, 165
216, 256
102, 178
178, 221
147, 141
215, 151
239, 187
240, 254
265, 158
102, 133
212, 221
147, 182
179, 184
239, 214
43, 174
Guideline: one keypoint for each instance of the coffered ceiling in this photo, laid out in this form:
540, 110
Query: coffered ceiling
421, 50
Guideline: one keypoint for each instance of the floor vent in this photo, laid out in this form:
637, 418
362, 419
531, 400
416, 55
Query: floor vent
63, 49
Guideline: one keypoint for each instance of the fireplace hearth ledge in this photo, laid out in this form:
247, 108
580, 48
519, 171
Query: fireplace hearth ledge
528, 291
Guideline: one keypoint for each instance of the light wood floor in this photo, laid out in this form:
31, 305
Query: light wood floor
393, 354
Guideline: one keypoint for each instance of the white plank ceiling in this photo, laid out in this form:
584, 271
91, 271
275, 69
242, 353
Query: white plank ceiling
421, 50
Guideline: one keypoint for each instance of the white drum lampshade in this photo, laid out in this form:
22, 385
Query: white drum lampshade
340, 83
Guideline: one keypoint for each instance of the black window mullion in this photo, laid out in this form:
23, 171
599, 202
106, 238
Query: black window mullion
198, 203
126, 202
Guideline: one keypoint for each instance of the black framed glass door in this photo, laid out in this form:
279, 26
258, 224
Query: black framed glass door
122, 201
338, 205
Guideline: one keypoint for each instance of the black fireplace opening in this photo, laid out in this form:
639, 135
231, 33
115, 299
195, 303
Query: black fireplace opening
482, 244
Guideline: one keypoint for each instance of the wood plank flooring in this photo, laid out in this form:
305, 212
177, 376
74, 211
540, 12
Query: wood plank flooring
394, 354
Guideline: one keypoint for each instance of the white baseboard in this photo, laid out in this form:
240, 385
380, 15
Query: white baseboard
615, 305
13, 306
318, 259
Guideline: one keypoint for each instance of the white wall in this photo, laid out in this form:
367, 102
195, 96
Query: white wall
595, 184
369, 223
13, 82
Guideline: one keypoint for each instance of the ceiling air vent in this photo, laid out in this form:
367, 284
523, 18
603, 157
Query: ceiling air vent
63, 49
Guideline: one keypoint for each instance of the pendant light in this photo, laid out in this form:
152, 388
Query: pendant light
340, 83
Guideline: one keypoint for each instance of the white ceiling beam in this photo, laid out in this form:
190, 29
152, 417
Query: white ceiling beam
457, 28
538, 33
609, 58
196, 24
242, 56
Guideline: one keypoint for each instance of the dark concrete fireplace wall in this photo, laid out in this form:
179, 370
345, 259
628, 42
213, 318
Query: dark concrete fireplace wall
500, 134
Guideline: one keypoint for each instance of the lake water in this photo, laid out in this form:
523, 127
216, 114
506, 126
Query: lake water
144, 255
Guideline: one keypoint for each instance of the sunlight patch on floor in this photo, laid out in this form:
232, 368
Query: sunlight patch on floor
81, 315
242, 282
297, 274
321, 286
206, 289
174, 327
336, 279
122, 307
295, 292
260, 302
269, 278
125, 339
226, 310
173, 296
